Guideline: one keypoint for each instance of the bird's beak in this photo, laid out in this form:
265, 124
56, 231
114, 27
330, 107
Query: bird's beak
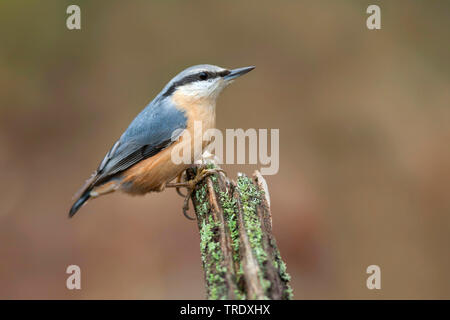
237, 73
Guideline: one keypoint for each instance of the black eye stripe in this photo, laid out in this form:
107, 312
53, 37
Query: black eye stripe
223, 73
194, 77
209, 75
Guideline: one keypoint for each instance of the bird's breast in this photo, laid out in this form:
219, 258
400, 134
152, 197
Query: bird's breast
201, 116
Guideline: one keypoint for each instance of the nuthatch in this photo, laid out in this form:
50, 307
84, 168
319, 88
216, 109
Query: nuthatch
140, 161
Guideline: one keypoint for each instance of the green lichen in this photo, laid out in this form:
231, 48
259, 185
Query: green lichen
280, 265
202, 206
229, 207
211, 166
212, 259
283, 272
239, 294
211, 253
250, 198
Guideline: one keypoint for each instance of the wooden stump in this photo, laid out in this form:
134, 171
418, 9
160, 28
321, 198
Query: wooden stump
239, 254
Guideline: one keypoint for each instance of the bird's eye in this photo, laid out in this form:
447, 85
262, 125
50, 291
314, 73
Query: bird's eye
203, 76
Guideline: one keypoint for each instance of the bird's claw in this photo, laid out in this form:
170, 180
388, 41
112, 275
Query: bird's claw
186, 205
178, 189
190, 185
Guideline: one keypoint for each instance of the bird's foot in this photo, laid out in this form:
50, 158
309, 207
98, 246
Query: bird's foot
202, 173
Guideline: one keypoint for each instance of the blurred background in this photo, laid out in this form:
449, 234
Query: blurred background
364, 123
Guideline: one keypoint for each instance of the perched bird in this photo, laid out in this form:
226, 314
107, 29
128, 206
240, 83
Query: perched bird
140, 161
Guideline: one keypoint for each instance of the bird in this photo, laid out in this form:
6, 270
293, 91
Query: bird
140, 162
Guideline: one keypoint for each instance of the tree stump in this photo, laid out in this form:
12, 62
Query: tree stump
239, 254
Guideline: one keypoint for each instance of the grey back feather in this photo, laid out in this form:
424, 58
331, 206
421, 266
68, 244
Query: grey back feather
149, 133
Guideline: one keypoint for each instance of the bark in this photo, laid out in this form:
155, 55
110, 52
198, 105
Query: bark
239, 254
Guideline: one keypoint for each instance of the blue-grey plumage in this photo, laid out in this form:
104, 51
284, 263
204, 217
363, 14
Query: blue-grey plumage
139, 162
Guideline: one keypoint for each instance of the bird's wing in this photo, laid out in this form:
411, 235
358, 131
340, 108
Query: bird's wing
153, 130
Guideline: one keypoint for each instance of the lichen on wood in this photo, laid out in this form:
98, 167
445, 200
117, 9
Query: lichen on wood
239, 254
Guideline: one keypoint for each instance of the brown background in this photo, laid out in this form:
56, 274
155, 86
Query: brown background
364, 138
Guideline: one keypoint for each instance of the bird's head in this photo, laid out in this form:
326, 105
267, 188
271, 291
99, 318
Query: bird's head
202, 82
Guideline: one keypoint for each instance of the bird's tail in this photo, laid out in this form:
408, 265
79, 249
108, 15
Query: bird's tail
81, 200
83, 194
